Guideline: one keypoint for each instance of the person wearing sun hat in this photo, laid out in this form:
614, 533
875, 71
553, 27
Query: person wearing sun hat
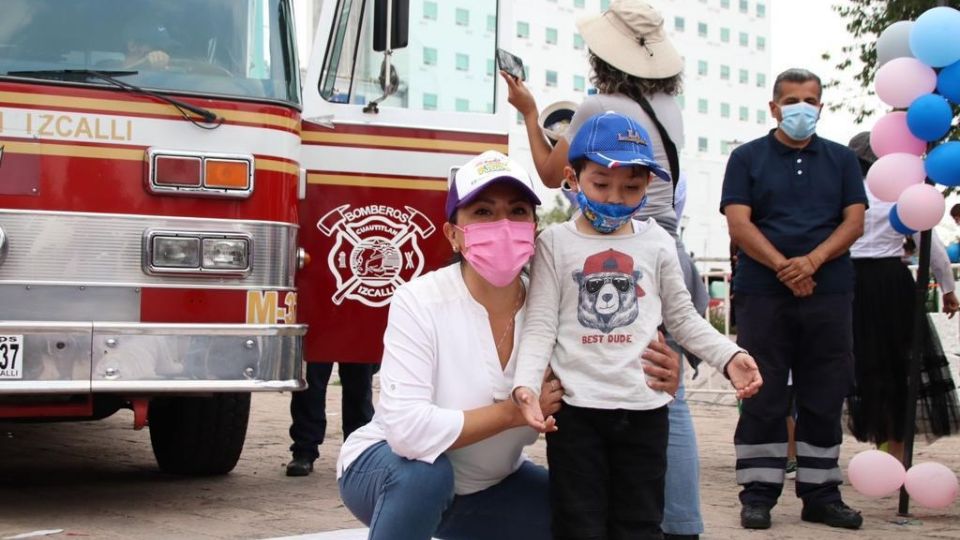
637, 72
443, 456
601, 286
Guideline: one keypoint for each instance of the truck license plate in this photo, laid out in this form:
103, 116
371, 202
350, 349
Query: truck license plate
11, 357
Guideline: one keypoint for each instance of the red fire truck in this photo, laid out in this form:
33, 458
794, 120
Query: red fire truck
165, 178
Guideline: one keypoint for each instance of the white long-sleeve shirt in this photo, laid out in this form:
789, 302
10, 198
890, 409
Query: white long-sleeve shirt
595, 302
880, 241
440, 359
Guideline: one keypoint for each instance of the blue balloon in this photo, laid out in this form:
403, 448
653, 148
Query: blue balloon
929, 117
897, 224
948, 82
943, 164
935, 38
953, 252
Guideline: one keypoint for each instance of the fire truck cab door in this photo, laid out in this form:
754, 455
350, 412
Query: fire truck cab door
377, 176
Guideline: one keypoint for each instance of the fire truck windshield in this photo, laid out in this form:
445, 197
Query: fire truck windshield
240, 48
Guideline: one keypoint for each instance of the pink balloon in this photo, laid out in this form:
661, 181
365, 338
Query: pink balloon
932, 485
902, 80
920, 207
875, 473
893, 173
890, 135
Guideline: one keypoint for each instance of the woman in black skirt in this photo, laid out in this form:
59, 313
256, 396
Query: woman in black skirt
883, 331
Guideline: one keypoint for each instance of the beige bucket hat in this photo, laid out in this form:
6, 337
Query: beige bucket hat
630, 37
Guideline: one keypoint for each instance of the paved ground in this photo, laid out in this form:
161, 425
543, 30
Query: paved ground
98, 480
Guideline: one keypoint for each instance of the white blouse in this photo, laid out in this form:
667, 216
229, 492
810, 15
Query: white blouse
440, 359
880, 241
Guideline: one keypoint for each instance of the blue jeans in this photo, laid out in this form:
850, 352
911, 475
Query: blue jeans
681, 510
402, 499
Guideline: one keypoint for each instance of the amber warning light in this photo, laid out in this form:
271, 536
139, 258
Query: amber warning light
202, 175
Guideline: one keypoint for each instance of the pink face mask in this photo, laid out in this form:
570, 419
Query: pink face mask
498, 250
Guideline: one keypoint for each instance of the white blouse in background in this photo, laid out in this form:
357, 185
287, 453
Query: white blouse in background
439, 360
881, 241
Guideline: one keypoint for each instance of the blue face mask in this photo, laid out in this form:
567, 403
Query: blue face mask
799, 120
606, 218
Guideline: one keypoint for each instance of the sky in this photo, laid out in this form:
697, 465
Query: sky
802, 30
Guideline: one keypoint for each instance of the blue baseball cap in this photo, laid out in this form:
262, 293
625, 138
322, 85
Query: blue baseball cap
615, 140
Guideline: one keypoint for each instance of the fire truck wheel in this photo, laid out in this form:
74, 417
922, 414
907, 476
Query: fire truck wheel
198, 436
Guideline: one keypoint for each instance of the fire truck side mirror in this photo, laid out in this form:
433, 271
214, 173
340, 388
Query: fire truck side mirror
398, 31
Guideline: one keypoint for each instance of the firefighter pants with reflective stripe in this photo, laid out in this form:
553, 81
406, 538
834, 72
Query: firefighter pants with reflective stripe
813, 337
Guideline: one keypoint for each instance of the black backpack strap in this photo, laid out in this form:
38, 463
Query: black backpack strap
673, 158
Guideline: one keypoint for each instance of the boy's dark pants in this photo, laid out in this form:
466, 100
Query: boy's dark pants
607, 470
812, 336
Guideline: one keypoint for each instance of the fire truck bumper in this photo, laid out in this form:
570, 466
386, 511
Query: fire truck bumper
81, 357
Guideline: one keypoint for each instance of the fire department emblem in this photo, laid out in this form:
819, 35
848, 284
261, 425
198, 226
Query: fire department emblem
375, 251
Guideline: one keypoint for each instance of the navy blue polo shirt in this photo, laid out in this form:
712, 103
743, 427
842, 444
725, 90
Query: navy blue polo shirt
797, 198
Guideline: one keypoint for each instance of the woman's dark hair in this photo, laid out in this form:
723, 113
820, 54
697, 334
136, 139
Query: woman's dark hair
610, 80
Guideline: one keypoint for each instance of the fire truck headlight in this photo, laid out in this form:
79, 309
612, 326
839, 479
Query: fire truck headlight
226, 254
175, 252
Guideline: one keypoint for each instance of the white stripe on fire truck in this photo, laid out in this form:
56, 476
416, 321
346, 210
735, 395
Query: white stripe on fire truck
380, 162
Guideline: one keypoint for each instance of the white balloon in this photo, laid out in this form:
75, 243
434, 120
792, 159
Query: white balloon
894, 42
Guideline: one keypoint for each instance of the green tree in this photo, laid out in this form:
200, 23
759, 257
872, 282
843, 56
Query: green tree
866, 19
561, 211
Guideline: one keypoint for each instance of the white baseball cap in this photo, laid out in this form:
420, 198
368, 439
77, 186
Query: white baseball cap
482, 171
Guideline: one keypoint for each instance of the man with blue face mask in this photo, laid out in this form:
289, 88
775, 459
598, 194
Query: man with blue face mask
795, 204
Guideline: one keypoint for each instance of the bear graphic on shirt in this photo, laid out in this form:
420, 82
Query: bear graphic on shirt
608, 291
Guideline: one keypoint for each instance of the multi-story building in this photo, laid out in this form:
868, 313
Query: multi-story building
727, 85
727, 78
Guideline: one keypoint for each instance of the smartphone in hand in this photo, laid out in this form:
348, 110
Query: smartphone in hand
510, 63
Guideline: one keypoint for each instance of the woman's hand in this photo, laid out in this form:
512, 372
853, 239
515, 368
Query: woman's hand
551, 393
519, 96
950, 304
664, 375
530, 409
744, 374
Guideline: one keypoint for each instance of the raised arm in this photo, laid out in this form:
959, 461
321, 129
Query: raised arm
549, 161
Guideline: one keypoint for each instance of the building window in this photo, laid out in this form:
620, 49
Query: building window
725, 148
551, 78
761, 43
463, 105
519, 118
744, 39
682, 101
701, 67
604, 5
678, 24
761, 116
724, 110
463, 62
491, 67
702, 145
523, 29
579, 83
702, 29
429, 102
744, 114
702, 106
578, 42
761, 11
579, 3
725, 4
491, 23
744, 7
744, 76
463, 17
725, 35
761, 80
429, 56
551, 36
430, 11
526, 72
724, 73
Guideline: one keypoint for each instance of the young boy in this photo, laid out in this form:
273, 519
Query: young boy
601, 286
